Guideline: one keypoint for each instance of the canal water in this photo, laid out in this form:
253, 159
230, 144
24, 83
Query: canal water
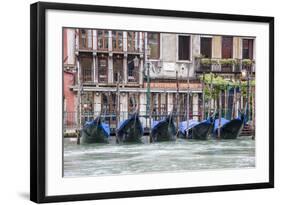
181, 155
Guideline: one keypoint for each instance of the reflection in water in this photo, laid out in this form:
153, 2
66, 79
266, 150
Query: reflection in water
181, 155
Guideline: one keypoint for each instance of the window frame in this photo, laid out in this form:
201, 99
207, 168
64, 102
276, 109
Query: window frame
136, 48
104, 39
158, 43
105, 57
210, 37
87, 39
117, 40
115, 58
136, 69
84, 59
247, 38
232, 51
190, 49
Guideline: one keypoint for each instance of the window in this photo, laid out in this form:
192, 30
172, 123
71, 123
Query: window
102, 40
133, 68
85, 39
117, 68
206, 47
102, 68
184, 48
227, 46
247, 49
133, 41
86, 67
154, 45
104, 103
117, 40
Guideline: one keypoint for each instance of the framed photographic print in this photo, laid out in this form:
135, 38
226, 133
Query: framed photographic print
129, 102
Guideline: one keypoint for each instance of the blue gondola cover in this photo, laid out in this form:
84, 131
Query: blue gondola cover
183, 125
223, 122
104, 126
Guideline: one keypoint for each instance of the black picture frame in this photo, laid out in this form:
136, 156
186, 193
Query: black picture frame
38, 101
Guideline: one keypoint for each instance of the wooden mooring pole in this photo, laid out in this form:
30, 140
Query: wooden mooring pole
219, 126
117, 104
79, 110
203, 97
209, 103
187, 102
253, 114
177, 100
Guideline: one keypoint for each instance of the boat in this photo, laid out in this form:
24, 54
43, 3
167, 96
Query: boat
230, 129
95, 131
163, 130
202, 130
130, 130
183, 128
196, 130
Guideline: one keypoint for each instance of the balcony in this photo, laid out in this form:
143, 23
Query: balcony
218, 65
131, 49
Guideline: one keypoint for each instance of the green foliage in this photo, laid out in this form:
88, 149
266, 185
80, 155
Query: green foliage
205, 61
214, 84
228, 61
247, 62
214, 61
208, 61
199, 56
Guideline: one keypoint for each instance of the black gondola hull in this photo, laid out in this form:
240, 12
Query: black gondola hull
131, 132
231, 130
183, 135
201, 131
93, 134
164, 131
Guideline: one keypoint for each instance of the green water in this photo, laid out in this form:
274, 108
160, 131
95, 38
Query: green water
181, 155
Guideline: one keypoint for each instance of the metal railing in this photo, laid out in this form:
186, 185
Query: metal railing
102, 44
223, 65
133, 76
70, 121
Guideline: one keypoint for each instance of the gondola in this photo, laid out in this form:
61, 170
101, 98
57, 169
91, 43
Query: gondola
95, 131
230, 129
202, 130
196, 130
164, 130
183, 128
130, 130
